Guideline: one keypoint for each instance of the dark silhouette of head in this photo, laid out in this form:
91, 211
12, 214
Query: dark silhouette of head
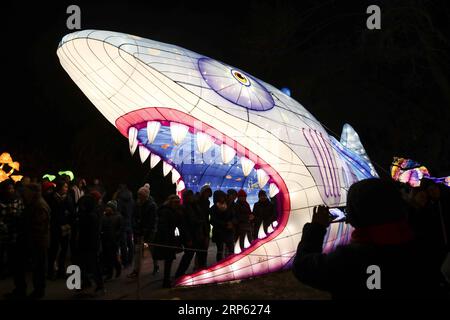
188, 196
373, 202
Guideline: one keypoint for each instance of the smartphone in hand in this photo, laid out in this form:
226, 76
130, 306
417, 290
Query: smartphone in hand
337, 214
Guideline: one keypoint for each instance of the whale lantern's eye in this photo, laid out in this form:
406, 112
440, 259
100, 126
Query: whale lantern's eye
235, 85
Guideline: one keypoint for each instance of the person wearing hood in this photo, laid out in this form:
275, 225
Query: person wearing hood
382, 259
111, 233
144, 226
125, 205
244, 218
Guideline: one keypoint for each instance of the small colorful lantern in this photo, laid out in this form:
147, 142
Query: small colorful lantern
49, 177
67, 173
411, 172
6, 159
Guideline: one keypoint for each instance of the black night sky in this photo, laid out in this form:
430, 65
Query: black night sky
392, 85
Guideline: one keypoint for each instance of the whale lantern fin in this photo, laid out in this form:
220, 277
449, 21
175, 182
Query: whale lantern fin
350, 140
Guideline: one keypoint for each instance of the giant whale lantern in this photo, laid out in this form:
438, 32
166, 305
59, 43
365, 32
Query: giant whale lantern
211, 123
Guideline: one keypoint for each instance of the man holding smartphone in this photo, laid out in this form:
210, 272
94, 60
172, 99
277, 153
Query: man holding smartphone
382, 238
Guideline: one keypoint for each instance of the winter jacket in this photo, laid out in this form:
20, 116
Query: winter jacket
111, 229
145, 220
264, 213
125, 206
194, 225
62, 211
37, 224
222, 222
89, 225
165, 239
205, 212
243, 213
345, 272
11, 220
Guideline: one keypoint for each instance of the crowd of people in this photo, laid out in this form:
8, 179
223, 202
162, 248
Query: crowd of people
46, 226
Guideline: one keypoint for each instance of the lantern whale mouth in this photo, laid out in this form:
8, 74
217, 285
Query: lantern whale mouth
197, 154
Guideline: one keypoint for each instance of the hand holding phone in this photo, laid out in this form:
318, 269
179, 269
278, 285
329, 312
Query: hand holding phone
321, 215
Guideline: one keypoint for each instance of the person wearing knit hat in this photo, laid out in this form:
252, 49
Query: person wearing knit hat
96, 195
242, 194
46, 186
144, 191
112, 204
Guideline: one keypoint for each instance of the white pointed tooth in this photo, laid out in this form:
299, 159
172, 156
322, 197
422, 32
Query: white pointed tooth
178, 132
152, 130
175, 175
261, 233
132, 139
177, 232
263, 178
166, 168
204, 142
143, 153
273, 190
275, 224
270, 229
154, 160
247, 165
227, 153
181, 186
237, 247
246, 242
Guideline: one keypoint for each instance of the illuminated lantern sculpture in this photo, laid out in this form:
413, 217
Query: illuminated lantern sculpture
49, 177
67, 173
6, 159
411, 172
3, 176
219, 125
